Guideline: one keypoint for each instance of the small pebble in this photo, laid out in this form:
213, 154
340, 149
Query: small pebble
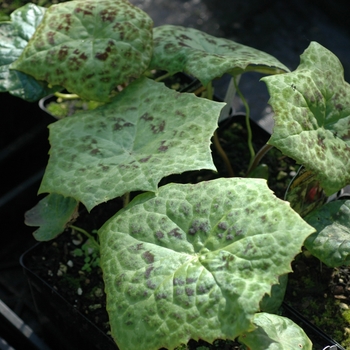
344, 306
70, 263
79, 291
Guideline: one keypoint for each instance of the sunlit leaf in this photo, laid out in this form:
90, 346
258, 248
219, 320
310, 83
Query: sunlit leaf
89, 47
312, 116
276, 333
194, 261
179, 49
146, 133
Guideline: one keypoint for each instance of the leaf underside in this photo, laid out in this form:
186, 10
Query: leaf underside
276, 333
14, 37
312, 116
146, 133
51, 214
331, 241
194, 261
89, 47
179, 49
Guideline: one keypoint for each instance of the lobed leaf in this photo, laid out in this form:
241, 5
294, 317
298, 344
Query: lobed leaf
194, 261
331, 241
14, 37
312, 116
179, 49
276, 333
146, 133
51, 214
89, 47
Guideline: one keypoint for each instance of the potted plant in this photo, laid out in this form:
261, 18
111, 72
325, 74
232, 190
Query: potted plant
179, 261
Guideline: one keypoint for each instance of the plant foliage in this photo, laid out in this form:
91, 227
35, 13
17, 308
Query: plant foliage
180, 261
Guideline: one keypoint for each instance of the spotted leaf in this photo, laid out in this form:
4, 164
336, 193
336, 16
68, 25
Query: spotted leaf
331, 241
194, 261
89, 47
312, 116
276, 332
179, 49
147, 132
14, 37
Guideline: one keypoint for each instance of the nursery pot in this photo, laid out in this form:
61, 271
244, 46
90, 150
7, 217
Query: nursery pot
69, 327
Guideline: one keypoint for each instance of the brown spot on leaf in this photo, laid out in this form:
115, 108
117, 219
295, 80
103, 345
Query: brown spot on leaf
108, 15
146, 159
148, 271
146, 117
51, 38
148, 256
63, 52
162, 147
156, 129
178, 282
159, 234
175, 233
223, 225
189, 291
190, 280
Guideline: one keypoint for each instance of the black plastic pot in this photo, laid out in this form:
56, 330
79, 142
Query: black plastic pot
70, 328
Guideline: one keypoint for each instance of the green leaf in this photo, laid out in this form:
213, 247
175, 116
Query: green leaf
14, 37
146, 133
194, 261
275, 333
312, 116
89, 47
331, 241
179, 49
272, 302
52, 214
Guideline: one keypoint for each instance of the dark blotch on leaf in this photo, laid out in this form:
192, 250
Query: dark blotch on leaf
175, 233
148, 271
108, 15
162, 147
159, 235
178, 282
146, 117
189, 291
223, 225
191, 280
156, 129
145, 160
148, 256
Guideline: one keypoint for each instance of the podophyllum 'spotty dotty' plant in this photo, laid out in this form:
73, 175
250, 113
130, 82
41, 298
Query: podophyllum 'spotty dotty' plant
182, 261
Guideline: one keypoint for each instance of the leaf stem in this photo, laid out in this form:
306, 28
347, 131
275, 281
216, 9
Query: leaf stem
126, 199
257, 159
247, 121
162, 77
66, 96
222, 154
216, 141
87, 234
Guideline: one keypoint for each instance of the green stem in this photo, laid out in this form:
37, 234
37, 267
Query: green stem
216, 141
222, 154
162, 77
247, 120
87, 234
257, 159
66, 96
126, 199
